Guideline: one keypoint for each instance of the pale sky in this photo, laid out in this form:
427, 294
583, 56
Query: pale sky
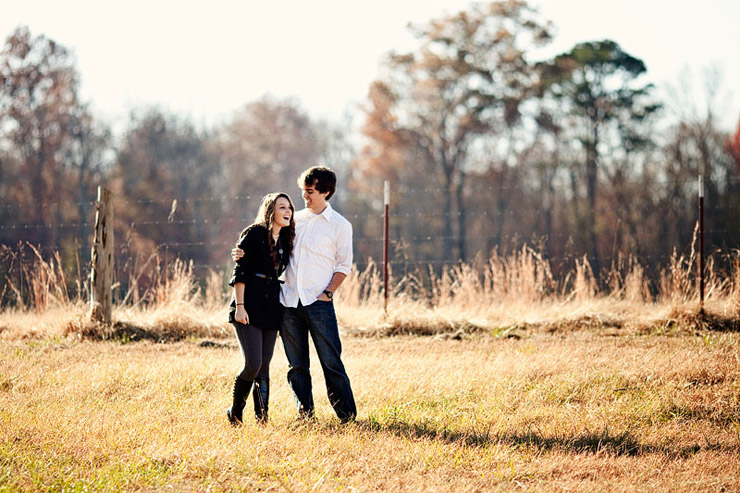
206, 59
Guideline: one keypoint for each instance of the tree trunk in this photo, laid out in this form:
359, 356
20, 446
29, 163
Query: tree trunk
461, 218
39, 185
82, 209
501, 200
447, 240
548, 199
591, 184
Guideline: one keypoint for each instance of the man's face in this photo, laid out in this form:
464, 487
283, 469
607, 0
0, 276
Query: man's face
314, 200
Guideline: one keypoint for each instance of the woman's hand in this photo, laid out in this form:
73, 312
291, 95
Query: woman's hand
241, 315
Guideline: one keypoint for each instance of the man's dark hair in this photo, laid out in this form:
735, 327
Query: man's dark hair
321, 178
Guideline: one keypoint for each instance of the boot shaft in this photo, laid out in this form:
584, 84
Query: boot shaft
261, 396
240, 393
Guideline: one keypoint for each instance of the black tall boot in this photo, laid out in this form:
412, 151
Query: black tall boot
241, 391
261, 396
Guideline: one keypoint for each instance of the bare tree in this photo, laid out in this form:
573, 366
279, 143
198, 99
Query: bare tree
41, 122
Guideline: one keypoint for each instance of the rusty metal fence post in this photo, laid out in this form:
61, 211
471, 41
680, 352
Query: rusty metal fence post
386, 202
701, 244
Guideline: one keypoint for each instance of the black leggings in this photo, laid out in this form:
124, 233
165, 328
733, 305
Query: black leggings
257, 346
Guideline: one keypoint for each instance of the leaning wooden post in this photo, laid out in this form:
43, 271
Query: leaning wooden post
101, 275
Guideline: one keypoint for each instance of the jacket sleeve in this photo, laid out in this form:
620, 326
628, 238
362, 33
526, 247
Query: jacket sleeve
243, 267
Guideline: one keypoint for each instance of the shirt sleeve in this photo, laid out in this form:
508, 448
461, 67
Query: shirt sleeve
242, 267
343, 261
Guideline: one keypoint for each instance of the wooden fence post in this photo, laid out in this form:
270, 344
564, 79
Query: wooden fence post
101, 274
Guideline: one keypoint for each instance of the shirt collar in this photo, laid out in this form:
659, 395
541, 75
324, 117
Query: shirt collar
327, 213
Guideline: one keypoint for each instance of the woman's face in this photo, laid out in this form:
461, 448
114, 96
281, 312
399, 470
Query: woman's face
283, 214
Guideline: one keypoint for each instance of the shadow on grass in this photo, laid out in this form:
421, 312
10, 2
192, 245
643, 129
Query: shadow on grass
165, 332
622, 444
698, 320
678, 322
126, 332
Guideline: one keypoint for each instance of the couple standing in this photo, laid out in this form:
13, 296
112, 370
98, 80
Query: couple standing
313, 248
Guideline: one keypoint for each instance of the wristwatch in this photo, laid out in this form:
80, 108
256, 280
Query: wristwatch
328, 294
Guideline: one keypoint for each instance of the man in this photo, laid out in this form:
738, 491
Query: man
321, 260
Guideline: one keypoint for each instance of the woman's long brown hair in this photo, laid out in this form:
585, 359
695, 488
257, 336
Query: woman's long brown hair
265, 216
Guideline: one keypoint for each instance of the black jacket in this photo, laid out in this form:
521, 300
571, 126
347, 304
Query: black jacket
260, 277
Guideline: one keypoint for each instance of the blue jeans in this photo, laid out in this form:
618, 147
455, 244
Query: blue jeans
319, 320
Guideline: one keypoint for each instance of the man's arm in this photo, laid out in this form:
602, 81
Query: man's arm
343, 260
336, 280
343, 253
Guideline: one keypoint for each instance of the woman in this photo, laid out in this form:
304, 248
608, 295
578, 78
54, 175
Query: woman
255, 303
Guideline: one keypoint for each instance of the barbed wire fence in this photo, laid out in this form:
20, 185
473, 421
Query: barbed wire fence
397, 261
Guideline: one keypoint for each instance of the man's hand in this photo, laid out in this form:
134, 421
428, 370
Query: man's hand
237, 253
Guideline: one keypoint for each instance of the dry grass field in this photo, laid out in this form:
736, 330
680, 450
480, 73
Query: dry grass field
492, 381
543, 412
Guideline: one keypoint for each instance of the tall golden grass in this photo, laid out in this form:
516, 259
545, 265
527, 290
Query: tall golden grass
499, 294
517, 292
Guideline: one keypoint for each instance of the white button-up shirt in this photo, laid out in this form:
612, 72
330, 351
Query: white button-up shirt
322, 246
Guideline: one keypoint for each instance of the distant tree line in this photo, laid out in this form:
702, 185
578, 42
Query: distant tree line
484, 149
